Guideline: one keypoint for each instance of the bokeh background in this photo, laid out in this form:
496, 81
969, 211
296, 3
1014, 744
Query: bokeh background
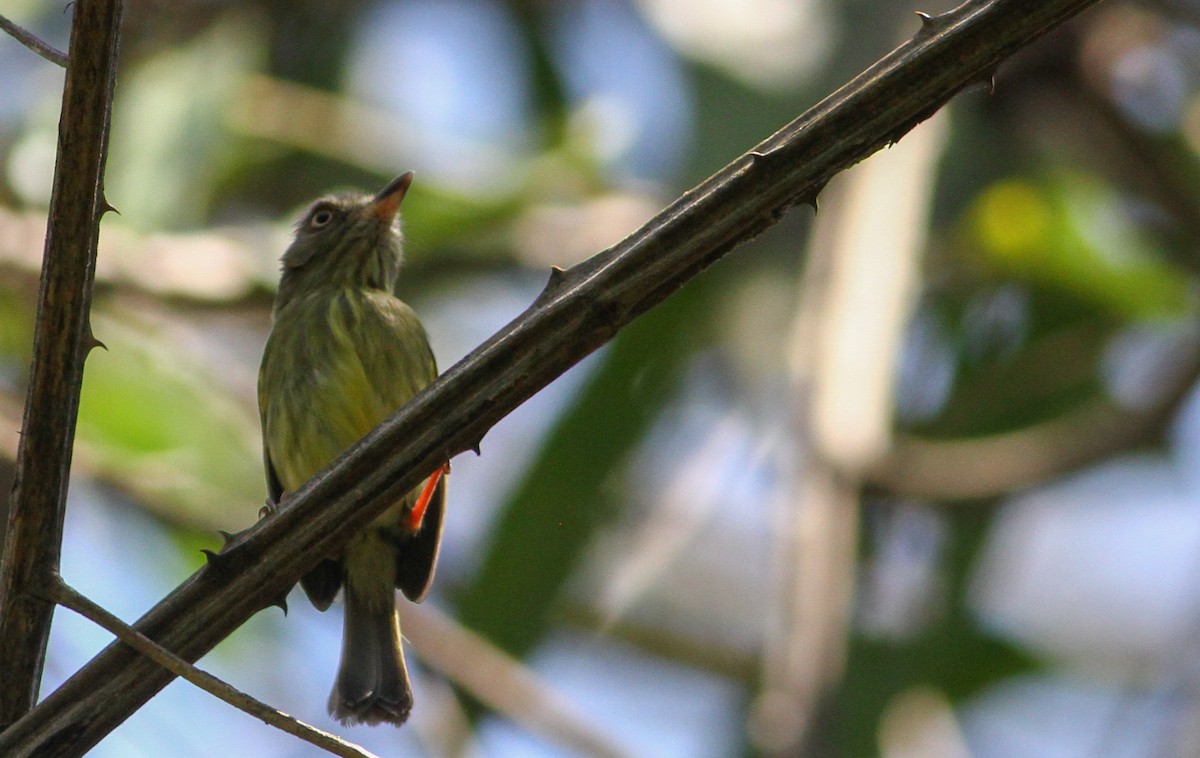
915, 477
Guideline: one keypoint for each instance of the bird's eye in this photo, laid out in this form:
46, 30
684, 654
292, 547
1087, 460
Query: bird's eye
321, 218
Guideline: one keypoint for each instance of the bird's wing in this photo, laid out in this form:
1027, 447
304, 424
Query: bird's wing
322, 582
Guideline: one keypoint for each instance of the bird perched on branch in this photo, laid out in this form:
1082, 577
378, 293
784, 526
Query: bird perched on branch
344, 354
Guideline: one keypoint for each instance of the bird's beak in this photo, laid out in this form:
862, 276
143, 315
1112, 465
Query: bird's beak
387, 203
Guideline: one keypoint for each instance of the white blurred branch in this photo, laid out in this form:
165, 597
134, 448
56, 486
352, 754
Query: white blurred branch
856, 297
502, 683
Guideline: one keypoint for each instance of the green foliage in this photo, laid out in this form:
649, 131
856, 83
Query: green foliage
16, 328
1071, 234
169, 141
153, 419
951, 654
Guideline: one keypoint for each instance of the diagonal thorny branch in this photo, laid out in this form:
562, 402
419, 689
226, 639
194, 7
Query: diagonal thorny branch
578, 312
62, 339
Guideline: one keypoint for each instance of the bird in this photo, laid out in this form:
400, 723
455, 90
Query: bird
343, 354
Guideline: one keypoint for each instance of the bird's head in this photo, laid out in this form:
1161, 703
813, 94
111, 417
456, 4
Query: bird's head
346, 241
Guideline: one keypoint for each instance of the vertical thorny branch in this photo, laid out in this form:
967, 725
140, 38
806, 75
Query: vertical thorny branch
62, 340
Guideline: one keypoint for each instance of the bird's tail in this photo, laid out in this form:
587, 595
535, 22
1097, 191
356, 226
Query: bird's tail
372, 682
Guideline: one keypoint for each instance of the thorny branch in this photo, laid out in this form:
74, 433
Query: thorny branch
62, 340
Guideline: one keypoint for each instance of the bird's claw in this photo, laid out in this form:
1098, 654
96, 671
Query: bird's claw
270, 508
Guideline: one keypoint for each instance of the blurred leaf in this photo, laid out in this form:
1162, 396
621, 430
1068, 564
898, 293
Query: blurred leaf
1072, 234
953, 656
169, 139
956, 659
436, 218
153, 419
1084, 268
546, 525
16, 333
1055, 369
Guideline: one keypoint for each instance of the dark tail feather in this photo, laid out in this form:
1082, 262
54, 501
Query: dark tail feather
372, 682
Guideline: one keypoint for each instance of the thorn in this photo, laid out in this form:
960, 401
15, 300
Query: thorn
90, 342
475, 448
988, 79
557, 277
270, 508
812, 201
223, 558
281, 603
758, 156
219, 561
105, 207
932, 24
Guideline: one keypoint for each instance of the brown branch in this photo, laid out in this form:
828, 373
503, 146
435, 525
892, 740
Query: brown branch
579, 311
66, 596
985, 467
62, 339
34, 43
991, 465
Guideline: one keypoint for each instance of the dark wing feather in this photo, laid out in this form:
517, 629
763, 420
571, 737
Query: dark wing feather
417, 553
274, 488
322, 583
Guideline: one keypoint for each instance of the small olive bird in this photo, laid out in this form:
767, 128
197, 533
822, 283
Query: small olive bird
343, 354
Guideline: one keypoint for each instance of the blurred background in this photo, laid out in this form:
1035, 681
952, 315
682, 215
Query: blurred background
916, 477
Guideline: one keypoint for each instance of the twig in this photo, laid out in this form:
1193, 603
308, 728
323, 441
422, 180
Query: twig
68, 597
62, 339
579, 311
31, 41
986, 467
